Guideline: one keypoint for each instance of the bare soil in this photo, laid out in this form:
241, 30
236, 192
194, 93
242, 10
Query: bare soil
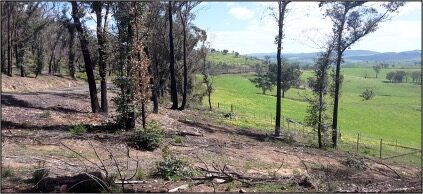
35, 135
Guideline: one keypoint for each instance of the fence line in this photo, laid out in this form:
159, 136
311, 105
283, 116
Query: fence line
362, 144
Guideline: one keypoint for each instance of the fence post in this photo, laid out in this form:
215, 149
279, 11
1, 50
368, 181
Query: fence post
396, 144
358, 139
218, 105
288, 124
380, 149
232, 108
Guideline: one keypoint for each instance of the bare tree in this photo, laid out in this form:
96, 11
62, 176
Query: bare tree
184, 15
281, 16
76, 14
101, 29
173, 89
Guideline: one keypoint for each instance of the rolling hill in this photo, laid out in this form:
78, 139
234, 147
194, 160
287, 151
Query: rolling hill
353, 56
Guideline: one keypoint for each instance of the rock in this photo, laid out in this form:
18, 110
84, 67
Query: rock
242, 191
306, 182
217, 180
178, 188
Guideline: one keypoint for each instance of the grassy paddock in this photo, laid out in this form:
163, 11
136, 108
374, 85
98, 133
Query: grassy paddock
393, 115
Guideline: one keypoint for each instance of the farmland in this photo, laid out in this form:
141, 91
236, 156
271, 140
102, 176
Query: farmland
394, 114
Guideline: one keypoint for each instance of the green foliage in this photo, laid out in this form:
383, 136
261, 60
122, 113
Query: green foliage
142, 175
263, 82
377, 68
78, 129
367, 94
45, 114
39, 174
229, 115
290, 76
148, 138
6, 172
125, 108
179, 139
400, 76
172, 167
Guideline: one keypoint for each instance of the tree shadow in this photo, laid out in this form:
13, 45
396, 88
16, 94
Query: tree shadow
210, 128
10, 100
106, 127
81, 183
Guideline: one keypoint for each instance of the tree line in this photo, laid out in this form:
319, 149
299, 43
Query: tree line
153, 50
148, 49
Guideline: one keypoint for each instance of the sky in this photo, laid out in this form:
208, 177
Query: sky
249, 27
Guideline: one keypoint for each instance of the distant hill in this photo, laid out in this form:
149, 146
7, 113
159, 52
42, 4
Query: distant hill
230, 59
352, 56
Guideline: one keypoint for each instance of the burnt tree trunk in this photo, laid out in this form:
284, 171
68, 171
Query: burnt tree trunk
9, 42
87, 59
173, 90
71, 54
185, 86
281, 12
101, 54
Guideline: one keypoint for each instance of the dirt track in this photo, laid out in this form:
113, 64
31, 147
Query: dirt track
34, 126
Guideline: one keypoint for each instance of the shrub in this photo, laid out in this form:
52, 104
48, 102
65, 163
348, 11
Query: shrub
354, 162
148, 138
39, 174
6, 172
45, 114
171, 167
78, 129
178, 139
367, 94
229, 115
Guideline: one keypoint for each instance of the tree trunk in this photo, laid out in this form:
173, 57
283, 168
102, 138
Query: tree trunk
283, 93
281, 12
210, 105
184, 96
9, 42
143, 115
71, 54
338, 67
87, 59
130, 122
319, 125
155, 88
101, 56
173, 90
53, 51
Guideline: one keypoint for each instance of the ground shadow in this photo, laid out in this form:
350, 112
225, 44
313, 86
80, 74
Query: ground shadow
210, 128
106, 127
10, 100
81, 183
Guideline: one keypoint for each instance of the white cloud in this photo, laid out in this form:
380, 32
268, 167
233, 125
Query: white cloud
241, 13
305, 30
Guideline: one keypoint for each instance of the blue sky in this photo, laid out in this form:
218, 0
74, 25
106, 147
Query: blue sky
248, 27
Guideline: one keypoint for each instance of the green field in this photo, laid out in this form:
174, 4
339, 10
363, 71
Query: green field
393, 115
231, 60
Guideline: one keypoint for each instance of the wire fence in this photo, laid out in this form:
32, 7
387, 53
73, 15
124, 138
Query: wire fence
361, 143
